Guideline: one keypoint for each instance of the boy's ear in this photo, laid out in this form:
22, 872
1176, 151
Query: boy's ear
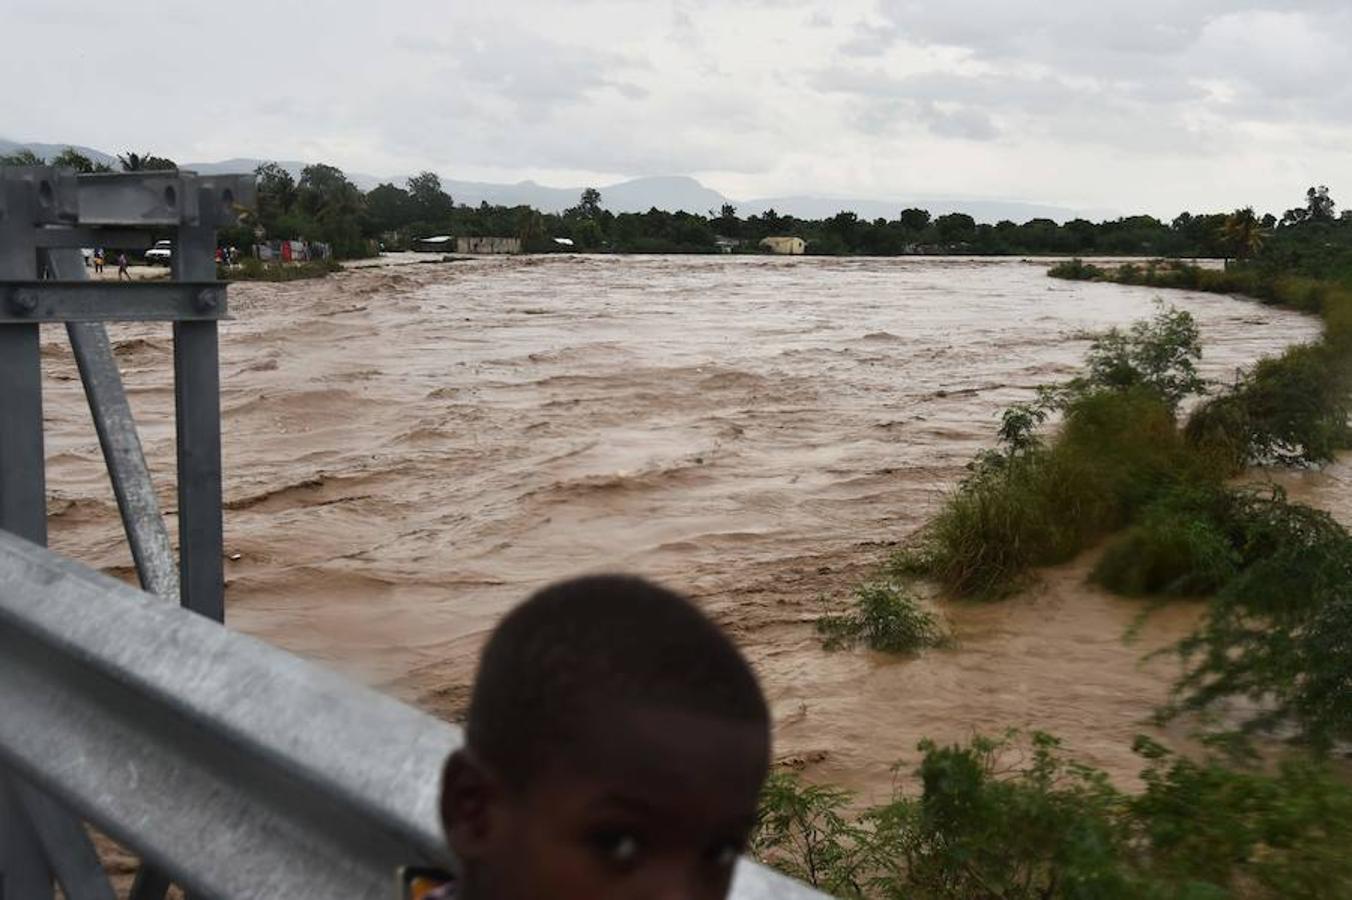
468, 791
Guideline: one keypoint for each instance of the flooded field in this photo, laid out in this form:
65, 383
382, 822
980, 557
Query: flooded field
411, 450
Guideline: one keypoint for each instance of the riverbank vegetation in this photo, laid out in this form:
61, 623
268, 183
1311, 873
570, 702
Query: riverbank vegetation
1015, 818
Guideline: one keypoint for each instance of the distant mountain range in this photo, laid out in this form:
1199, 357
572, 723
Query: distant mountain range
668, 192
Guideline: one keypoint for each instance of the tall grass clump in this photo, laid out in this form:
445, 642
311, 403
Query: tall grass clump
1015, 819
884, 616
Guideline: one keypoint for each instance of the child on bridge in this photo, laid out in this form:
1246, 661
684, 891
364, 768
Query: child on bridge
615, 748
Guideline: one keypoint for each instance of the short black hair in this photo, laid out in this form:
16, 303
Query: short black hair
576, 650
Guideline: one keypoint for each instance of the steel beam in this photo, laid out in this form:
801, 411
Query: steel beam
167, 198
97, 301
136, 499
73, 859
118, 238
37, 195
149, 885
24, 871
23, 493
197, 404
24, 874
122, 453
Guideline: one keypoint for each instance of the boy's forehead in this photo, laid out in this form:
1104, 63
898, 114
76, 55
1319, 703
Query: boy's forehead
670, 747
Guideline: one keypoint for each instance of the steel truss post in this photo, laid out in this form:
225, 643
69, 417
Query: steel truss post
127, 469
197, 406
24, 871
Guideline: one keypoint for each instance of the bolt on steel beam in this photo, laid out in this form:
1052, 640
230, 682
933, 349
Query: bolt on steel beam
93, 301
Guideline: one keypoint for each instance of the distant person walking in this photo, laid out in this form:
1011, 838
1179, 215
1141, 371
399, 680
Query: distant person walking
122, 267
98, 261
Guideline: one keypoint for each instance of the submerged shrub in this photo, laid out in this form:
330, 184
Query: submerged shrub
1179, 547
1076, 270
1117, 450
1290, 409
1159, 355
886, 617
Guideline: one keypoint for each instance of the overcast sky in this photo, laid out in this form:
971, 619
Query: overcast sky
1129, 105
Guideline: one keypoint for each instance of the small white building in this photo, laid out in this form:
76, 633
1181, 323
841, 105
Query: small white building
785, 245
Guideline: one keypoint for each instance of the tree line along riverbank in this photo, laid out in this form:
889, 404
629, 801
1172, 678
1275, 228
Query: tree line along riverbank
321, 203
1108, 458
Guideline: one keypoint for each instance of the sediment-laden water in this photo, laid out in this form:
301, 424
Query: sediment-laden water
411, 450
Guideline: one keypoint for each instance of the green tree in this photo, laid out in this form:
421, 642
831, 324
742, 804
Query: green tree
325, 196
70, 158
1242, 233
530, 228
1318, 204
588, 206
23, 157
429, 202
915, 220
145, 162
276, 197
390, 208
956, 228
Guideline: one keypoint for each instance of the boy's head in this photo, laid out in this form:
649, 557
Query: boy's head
615, 748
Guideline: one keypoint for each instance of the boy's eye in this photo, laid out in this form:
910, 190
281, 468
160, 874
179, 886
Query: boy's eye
619, 848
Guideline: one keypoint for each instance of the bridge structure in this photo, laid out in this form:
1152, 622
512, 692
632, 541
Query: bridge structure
229, 767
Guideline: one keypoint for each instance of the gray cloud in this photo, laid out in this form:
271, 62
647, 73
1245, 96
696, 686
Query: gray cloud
1131, 104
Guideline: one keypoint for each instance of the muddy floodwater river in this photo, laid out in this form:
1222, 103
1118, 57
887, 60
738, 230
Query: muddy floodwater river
410, 450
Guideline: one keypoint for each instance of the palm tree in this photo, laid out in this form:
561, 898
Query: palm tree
24, 157
144, 162
1242, 234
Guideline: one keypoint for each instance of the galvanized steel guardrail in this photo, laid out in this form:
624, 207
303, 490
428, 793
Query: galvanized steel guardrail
233, 767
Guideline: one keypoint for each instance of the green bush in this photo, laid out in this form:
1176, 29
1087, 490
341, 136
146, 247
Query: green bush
1159, 354
1076, 270
1116, 451
1279, 632
1014, 819
803, 830
1290, 409
886, 617
1169, 557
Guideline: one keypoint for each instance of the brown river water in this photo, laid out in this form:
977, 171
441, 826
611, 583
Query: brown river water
410, 450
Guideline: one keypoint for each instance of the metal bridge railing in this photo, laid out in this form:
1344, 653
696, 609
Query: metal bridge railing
234, 768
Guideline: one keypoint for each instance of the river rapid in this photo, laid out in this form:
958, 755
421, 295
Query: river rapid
411, 450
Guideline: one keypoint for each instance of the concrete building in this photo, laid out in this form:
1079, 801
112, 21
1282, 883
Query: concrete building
788, 246
487, 245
